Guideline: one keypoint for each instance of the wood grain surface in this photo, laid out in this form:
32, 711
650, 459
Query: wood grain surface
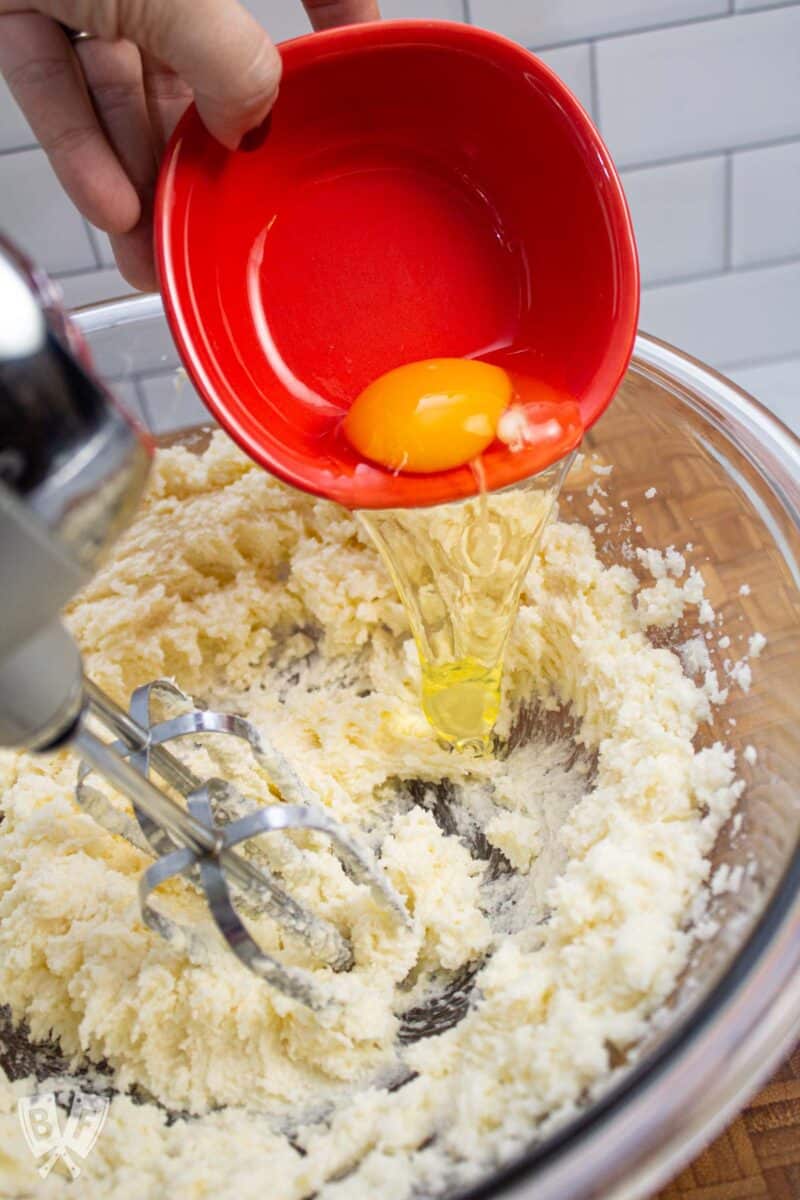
758, 1157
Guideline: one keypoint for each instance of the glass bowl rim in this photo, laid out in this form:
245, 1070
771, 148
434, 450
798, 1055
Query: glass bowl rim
640, 1132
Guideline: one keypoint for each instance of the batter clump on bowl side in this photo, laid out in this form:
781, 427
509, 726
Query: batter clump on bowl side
554, 883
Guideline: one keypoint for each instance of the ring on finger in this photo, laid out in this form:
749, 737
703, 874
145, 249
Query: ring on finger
77, 35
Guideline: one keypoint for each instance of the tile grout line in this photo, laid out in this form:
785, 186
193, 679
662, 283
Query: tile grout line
143, 402
693, 155
594, 90
151, 373
727, 220
773, 360
25, 148
94, 244
80, 272
658, 26
788, 260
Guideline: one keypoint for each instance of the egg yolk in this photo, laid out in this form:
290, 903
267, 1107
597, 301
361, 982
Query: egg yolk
429, 416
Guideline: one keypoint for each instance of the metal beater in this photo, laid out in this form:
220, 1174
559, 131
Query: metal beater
72, 470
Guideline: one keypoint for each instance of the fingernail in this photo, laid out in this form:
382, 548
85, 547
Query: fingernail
254, 138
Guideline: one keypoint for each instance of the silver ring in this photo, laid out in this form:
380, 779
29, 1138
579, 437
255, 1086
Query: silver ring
77, 35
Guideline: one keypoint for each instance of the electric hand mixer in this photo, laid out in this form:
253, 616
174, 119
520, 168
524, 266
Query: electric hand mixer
72, 469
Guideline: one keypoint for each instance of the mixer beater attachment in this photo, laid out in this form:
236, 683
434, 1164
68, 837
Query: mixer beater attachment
198, 842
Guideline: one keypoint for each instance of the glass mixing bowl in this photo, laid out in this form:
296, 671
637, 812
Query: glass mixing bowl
727, 480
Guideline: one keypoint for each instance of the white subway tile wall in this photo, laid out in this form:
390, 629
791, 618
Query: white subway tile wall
766, 204
573, 64
127, 392
676, 211
545, 22
102, 247
699, 101
746, 5
286, 18
35, 212
732, 319
697, 88
15, 131
92, 286
170, 402
777, 382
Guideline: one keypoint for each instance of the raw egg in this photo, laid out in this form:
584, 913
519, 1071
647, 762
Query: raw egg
429, 416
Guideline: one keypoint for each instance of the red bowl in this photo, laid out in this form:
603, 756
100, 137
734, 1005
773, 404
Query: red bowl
422, 189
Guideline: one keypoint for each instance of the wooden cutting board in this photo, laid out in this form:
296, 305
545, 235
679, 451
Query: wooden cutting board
758, 1157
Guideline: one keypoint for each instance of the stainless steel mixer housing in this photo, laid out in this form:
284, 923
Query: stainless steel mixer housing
72, 469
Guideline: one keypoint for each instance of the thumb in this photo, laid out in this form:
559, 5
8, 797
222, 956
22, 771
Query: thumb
215, 46
224, 55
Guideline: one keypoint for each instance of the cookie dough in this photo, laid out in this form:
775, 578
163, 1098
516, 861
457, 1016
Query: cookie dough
555, 880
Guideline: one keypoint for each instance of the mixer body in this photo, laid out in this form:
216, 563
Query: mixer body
72, 469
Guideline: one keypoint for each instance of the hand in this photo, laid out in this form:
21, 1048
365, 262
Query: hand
104, 108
